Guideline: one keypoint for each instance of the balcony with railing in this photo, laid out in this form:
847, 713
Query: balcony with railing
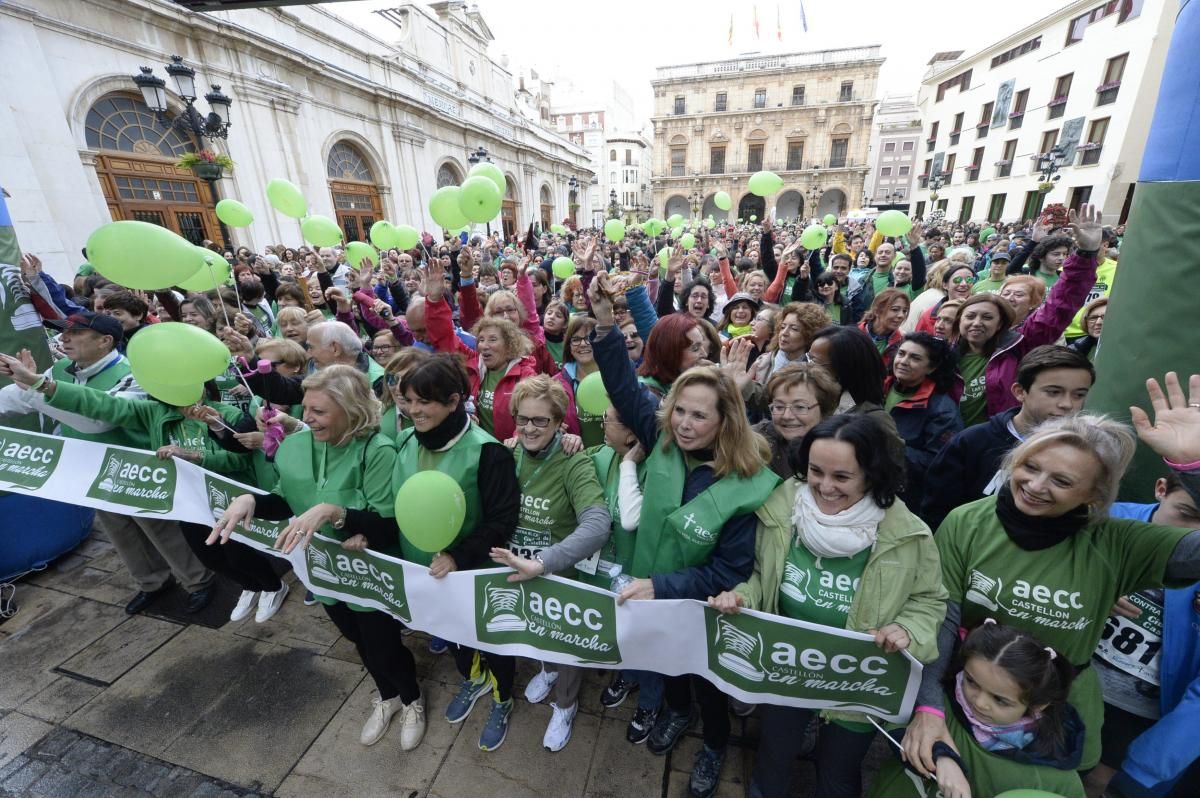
705, 69
1015, 120
1106, 93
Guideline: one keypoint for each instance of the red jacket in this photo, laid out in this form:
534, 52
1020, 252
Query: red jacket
439, 325
470, 311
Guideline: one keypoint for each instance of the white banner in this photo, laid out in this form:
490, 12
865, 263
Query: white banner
756, 657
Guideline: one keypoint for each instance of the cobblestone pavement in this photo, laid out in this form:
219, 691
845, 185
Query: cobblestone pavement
94, 702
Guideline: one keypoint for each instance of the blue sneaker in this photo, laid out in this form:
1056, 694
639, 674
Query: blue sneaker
496, 728
706, 773
438, 646
462, 704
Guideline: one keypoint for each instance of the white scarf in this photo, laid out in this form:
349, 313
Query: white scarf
842, 535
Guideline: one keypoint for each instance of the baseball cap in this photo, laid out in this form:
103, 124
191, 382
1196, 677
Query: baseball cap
97, 322
1001, 255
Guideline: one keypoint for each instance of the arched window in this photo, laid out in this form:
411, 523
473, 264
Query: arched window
612, 155
347, 163
118, 122
447, 175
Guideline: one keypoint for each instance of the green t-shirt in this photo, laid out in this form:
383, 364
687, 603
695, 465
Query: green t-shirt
879, 281
1048, 279
487, 395
1106, 273
973, 405
555, 348
987, 287
819, 589
835, 312
1061, 594
554, 490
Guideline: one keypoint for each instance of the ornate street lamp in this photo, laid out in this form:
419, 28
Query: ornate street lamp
153, 88
614, 210
191, 123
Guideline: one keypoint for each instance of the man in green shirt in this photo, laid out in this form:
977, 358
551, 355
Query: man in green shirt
995, 277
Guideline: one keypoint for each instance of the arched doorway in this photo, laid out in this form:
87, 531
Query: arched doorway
508, 210
832, 201
677, 205
790, 205
355, 195
547, 207
751, 205
137, 171
710, 209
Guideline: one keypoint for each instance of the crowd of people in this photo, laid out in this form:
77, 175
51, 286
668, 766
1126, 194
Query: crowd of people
894, 427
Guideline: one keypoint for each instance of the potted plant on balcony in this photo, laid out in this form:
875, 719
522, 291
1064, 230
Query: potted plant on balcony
205, 164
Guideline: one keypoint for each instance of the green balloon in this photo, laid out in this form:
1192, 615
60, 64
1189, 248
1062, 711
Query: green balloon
687, 241
176, 354
286, 198
764, 183
234, 213
614, 230
174, 395
674, 220
406, 236
142, 255
358, 251
563, 267
829, 219
321, 231
710, 223
385, 235
430, 510
893, 223
479, 199
215, 271
664, 255
814, 236
722, 200
753, 218
558, 228
591, 395
443, 207
491, 172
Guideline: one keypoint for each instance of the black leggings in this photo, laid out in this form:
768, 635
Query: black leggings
503, 669
839, 754
714, 706
376, 635
250, 568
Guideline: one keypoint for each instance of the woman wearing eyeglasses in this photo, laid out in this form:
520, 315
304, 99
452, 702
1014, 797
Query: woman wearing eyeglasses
564, 521
708, 472
578, 363
394, 419
958, 282
801, 396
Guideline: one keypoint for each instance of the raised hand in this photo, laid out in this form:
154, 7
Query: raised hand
1089, 233
1175, 431
600, 293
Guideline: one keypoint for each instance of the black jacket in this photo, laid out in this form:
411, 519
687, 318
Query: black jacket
965, 466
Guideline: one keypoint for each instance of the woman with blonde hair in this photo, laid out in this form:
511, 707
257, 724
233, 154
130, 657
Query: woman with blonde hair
1043, 555
579, 362
335, 477
518, 306
801, 396
709, 471
564, 521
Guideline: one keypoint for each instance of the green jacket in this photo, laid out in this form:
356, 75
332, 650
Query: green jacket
904, 556
157, 421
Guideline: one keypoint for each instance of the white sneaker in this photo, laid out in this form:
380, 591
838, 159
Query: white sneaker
245, 603
558, 732
412, 724
378, 720
269, 604
539, 686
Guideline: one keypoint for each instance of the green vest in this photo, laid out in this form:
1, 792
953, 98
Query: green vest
303, 486
654, 385
460, 461
618, 551
105, 380
671, 537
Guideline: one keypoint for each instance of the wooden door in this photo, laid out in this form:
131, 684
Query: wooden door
357, 206
158, 192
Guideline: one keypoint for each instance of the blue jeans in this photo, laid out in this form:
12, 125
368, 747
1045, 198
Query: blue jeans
650, 687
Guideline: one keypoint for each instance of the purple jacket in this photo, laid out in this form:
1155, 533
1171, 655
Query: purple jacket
1043, 326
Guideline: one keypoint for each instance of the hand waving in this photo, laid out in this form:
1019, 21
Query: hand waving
1175, 432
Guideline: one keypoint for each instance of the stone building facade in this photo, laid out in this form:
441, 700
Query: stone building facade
805, 116
367, 122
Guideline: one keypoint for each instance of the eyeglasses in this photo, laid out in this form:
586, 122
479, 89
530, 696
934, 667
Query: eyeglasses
782, 409
581, 340
383, 348
962, 280
808, 358
541, 422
